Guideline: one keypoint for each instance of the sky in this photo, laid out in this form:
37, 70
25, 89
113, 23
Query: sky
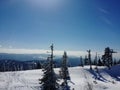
71, 25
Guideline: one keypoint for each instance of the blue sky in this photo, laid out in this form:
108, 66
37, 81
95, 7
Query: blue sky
69, 24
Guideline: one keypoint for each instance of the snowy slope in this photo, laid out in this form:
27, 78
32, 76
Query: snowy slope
81, 79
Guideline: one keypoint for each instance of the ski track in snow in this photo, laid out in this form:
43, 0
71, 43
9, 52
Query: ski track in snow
81, 79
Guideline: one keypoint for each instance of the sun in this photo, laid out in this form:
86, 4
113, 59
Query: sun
46, 4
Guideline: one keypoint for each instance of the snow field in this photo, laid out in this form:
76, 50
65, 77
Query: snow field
81, 79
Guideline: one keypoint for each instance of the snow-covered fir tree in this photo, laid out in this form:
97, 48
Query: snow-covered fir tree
86, 60
64, 73
81, 61
108, 57
49, 79
89, 58
100, 63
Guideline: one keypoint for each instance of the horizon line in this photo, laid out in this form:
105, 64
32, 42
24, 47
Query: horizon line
76, 53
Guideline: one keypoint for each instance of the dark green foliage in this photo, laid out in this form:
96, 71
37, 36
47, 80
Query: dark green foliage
38, 65
107, 57
64, 68
86, 61
81, 62
89, 58
49, 80
64, 73
115, 62
100, 62
118, 61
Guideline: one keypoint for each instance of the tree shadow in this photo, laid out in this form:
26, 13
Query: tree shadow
97, 76
114, 72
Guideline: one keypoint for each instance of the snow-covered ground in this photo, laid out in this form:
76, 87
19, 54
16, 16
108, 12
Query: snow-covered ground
81, 79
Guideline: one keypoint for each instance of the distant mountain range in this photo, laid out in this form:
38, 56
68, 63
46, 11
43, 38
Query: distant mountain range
23, 57
30, 57
13, 62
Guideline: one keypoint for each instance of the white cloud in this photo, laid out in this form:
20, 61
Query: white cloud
103, 11
56, 52
107, 21
37, 51
22, 51
105, 15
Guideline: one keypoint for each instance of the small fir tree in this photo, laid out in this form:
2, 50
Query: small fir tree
65, 73
86, 60
81, 61
89, 58
49, 80
107, 57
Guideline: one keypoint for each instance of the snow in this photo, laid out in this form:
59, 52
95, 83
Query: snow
81, 79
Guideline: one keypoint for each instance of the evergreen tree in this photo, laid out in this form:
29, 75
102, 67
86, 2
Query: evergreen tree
81, 61
49, 80
96, 60
86, 60
118, 61
115, 62
96, 63
107, 57
38, 66
89, 58
100, 62
64, 72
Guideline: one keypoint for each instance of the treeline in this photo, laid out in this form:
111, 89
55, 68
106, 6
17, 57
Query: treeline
13, 65
105, 60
